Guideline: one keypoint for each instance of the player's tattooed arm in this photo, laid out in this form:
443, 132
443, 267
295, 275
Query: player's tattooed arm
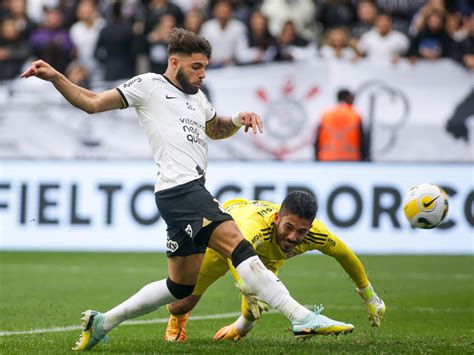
220, 127
223, 127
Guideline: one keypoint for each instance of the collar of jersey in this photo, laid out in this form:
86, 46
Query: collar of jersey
169, 81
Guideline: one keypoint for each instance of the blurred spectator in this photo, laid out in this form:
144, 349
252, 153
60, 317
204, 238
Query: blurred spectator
291, 46
158, 8
401, 11
454, 26
433, 42
300, 12
366, 14
382, 44
224, 33
158, 43
84, 36
336, 45
191, 5
116, 46
16, 11
466, 47
336, 13
340, 135
260, 46
78, 74
419, 19
193, 21
14, 50
51, 41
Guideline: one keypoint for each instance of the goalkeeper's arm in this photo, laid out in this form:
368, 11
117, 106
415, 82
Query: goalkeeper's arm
354, 268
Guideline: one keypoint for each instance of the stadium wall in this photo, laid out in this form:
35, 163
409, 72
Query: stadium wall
109, 205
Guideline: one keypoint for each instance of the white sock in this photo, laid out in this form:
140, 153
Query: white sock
244, 325
265, 284
147, 300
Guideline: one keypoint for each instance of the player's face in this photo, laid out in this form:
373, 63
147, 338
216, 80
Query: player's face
191, 72
290, 230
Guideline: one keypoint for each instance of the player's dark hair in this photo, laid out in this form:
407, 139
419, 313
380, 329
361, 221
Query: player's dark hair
301, 204
186, 42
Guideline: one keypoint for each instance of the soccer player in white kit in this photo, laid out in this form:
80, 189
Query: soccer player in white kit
178, 119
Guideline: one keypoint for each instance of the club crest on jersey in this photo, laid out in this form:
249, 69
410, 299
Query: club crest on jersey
171, 245
190, 107
189, 231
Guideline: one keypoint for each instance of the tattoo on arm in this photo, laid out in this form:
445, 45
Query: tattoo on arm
220, 128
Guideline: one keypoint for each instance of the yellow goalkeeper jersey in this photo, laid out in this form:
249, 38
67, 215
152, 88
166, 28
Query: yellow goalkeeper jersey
256, 221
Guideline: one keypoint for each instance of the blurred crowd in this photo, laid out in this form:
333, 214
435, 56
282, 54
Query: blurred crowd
116, 39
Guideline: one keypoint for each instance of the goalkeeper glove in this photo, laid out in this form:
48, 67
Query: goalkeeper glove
256, 304
374, 304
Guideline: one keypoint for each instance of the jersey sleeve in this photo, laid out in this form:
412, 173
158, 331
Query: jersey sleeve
209, 110
135, 92
346, 258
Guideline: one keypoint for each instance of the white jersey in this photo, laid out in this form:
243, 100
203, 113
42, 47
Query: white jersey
174, 123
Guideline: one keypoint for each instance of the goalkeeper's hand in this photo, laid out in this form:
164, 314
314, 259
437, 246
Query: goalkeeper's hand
374, 304
256, 304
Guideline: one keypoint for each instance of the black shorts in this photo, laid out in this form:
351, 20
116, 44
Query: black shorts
184, 209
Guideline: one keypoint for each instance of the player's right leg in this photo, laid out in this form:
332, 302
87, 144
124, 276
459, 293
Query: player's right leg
258, 280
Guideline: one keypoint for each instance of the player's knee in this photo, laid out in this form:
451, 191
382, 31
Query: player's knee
179, 291
184, 305
242, 251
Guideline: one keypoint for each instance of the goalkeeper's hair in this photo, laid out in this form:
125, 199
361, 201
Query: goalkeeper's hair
300, 203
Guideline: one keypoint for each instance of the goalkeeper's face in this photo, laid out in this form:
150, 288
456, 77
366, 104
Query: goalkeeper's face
290, 230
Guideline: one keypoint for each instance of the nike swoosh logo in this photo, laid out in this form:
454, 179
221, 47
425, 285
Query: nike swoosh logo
428, 204
170, 97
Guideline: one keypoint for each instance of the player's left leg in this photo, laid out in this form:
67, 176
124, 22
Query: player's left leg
183, 272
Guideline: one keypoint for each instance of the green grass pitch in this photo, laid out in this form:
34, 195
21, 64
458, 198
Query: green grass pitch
430, 305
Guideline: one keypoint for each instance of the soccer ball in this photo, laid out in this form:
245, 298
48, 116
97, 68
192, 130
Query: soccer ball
425, 206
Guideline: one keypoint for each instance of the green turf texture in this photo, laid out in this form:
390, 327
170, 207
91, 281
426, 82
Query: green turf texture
430, 305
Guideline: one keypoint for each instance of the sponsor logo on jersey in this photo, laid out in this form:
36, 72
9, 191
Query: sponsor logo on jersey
132, 81
190, 107
170, 97
171, 245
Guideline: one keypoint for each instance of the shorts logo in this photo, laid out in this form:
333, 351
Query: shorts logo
171, 245
189, 231
219, 205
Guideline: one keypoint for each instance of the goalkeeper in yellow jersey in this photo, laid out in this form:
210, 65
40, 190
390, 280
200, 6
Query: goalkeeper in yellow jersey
277, 233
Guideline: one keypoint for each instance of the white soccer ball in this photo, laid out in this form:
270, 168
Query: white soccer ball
425, 206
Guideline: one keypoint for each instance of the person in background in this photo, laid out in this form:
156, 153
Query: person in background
366, 14
340, 135
383, 44
300, 12
16, 11
14, 50
157, 41
466, 47
336, 13
260, 46
193, 21
292, 46
224, 33
336, 45
433, 42
117, 46
85, 34
51, 41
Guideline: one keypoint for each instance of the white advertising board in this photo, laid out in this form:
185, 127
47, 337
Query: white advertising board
109, 205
